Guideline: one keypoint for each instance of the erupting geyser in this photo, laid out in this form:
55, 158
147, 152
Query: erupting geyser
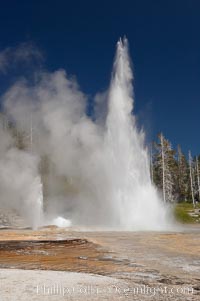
135, 201
93, 173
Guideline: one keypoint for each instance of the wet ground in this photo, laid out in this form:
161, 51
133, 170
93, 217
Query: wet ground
144, 258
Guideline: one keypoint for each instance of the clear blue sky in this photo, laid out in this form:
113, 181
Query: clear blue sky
80, 36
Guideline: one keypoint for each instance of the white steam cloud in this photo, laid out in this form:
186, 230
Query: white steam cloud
25, 53
93, 173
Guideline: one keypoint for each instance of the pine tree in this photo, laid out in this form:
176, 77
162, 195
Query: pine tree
192, 180
151, 163
197, 178
183, 176
165, 167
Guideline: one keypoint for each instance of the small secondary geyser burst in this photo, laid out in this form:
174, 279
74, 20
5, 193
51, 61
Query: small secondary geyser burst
94, 173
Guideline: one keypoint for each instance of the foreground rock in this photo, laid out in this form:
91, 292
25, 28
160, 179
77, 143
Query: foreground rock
23, 285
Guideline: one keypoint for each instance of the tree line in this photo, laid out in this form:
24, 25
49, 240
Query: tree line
176, 175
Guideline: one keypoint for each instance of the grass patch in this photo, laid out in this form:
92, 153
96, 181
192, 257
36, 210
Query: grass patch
181, 213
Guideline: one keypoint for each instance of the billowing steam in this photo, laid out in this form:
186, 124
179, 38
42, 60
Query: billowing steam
92, 173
